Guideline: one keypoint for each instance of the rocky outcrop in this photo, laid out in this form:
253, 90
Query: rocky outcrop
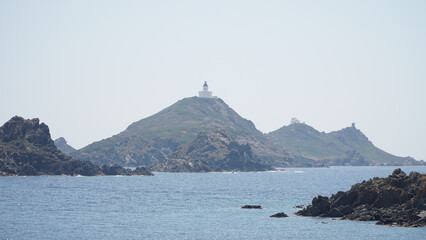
398, 200
63, 146
279, 215
252, 207
212, 151
26, 149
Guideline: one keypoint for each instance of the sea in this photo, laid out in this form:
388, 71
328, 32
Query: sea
186, 206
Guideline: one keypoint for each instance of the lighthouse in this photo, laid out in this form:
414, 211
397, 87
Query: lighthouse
205, 93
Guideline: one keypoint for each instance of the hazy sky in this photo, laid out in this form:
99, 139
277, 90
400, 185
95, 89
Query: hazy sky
88, 69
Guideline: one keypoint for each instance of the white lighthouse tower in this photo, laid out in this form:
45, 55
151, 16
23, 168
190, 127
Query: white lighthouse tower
205, 93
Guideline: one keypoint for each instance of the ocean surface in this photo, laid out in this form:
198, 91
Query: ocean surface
185, 206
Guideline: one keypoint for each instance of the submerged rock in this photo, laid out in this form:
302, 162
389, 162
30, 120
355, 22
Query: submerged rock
397, 200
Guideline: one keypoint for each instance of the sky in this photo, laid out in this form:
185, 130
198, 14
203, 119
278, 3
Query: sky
90, 68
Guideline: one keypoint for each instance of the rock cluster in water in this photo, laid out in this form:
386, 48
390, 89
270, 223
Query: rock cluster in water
397, 200
114, 169
26, 149
252, 207
279, 215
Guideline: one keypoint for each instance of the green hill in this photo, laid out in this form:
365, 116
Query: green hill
348, 146
148, 141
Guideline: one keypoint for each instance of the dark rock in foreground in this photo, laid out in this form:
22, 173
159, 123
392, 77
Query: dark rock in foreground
26, 149
398, 200
212, 151
279, 215
252, 207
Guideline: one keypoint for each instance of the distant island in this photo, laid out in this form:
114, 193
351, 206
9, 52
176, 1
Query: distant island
26, 149
152, 141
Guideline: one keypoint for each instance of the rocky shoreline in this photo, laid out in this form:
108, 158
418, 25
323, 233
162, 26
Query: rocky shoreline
397, 200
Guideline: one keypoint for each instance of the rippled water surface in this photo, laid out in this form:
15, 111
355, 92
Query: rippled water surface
185, 206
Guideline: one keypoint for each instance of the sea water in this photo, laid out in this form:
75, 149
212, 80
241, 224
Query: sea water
186, 206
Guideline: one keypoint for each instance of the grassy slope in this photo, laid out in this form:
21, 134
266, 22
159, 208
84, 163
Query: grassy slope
308, 142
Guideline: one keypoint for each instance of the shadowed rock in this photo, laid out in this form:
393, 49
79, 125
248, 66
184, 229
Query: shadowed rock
252, 207
279, 215
26, 149
397, 200
212, 151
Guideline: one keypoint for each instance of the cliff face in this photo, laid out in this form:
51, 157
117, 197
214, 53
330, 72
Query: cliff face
26, 149
212, 151
397, 200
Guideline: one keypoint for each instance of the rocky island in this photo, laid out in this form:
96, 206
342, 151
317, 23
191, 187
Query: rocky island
397, 200
150, 141
26, 149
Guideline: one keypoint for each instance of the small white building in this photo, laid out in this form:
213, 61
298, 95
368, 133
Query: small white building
294, 121
205, 93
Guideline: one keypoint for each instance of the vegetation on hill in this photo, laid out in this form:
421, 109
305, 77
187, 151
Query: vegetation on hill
212, 151
348, 146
